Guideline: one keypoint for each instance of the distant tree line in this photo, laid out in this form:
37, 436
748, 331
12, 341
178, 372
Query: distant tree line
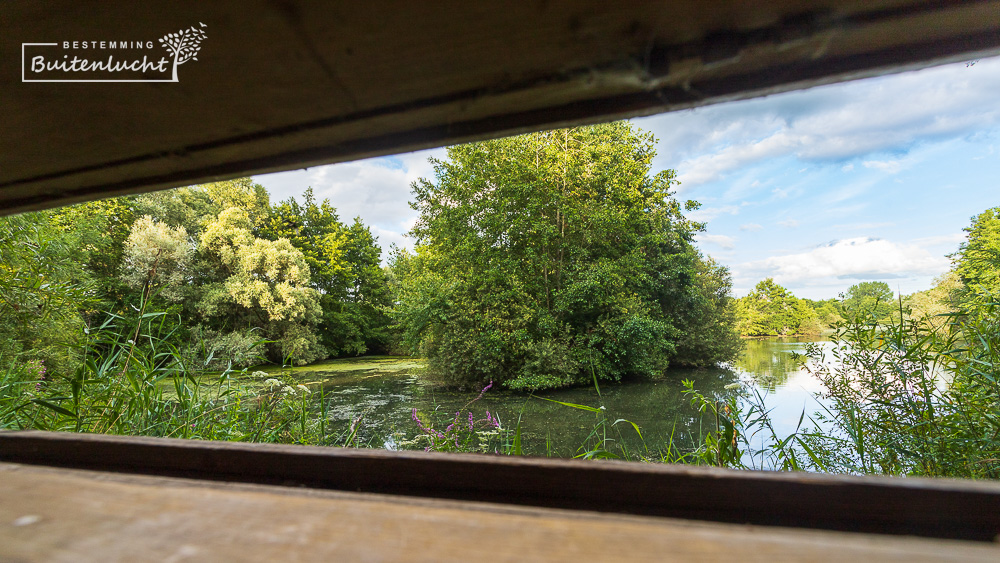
772, 310
973, 281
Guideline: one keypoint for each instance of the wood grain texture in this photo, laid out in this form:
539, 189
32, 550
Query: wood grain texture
920, 507
66, 515
287, 84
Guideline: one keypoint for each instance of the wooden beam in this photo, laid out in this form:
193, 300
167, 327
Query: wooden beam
921, 507
281, 85
70, 515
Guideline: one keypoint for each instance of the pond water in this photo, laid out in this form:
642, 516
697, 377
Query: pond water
378, 394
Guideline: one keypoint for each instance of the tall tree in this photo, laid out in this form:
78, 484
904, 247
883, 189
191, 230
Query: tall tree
317, 232
266, 285
869, 299
932, 306
549, 259
99, 229
241, 193
157, 257
977, 261
345, 267
772, 310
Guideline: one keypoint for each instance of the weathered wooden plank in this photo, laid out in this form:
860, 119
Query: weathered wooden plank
67, 515
920, 507
287, 84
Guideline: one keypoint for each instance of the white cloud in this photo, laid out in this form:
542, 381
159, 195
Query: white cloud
387, 238
713, 166
790, 223
377, 190
832, 123
751, 227
890, 166
862, 226
856, 258
949, 239
371, 189
722, 241
709, 213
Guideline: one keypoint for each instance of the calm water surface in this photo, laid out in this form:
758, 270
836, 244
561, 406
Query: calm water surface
381, 393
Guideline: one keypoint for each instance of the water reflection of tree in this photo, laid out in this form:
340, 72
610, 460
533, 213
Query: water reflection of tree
659, 407
769, 363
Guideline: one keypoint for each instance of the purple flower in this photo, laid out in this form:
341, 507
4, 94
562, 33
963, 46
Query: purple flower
420, 423
38, 366
481, 393
470, 420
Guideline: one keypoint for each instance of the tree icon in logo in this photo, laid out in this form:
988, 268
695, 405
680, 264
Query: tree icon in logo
184, 45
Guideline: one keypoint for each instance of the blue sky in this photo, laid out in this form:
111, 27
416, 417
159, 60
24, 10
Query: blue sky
820, 189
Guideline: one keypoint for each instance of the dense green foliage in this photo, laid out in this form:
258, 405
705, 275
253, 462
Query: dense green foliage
772, 310
874, 299
829, 312
933, 306
290, 273
45, 292
241, 280
977, 261
554, 259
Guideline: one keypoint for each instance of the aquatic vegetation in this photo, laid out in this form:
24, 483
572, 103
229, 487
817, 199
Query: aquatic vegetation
464, 432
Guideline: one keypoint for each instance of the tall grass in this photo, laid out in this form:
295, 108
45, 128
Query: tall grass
901, 397
912, 397
133, 380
